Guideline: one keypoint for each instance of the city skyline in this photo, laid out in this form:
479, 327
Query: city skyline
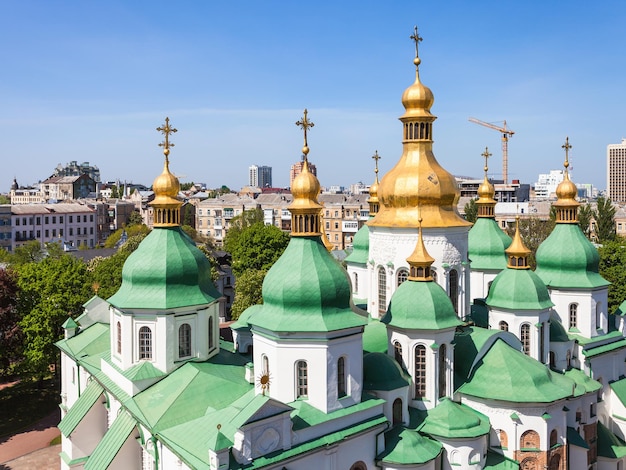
78, 88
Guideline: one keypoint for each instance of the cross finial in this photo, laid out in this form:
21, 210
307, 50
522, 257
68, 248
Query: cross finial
417, 38
305, 125
486, 154
376, 157
166, 130
567, 148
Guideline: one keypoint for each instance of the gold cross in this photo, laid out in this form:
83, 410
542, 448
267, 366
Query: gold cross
305, 124
486, 154
376, 157
417, 38
166, 130
567, 148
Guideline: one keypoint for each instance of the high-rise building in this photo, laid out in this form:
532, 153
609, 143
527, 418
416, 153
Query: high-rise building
616, 171
260, 176
296, 169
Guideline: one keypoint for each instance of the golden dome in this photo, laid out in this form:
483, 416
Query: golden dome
305, 189
486, 192
420, 260
566, 193
418, 179
166, 187
566, 188
517, 251
166, 184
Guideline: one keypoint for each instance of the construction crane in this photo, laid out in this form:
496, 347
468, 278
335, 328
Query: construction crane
506, 133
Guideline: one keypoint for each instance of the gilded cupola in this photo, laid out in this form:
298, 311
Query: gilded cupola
486, 192
566, 192
418, 179
373, 199
517, 251
166, 186
420, 261
305, 210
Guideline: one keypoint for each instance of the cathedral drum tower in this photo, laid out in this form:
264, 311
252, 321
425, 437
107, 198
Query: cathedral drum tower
417, 184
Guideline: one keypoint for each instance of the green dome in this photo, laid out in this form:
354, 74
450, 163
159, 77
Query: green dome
421, 306
375, 336
166, 271
557, 331
306, 290
407, 447
382, 372
453, 420
567, 259
518, 289
487, 243
509, 375
360, 246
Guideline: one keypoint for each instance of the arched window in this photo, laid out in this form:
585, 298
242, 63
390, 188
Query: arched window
358, 466
453, 281
145, 343
397, 353
529, 440
433, 274
420, 371
302, 386
598, 315
266, 364
402, 275
504, 326
554, 436
184, 340
382, 290
504, 439
573, 315
341, 377
525, 338
568, 358
355, 288
119, 337
211, 333
552, 359
443, 371
397, 411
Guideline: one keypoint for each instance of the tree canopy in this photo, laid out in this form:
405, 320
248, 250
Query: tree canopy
533, 231
258, 247
612, 262
605, 219
238, 224
585, 214
248, 292
10, 332
471, 211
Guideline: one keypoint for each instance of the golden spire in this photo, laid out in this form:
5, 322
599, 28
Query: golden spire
420, 261
166, 187
305, 210
486, 192
566, 192
517, 251
373, 199
417, 178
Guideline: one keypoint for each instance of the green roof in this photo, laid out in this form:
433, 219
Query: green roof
619, 388
583, 380
557, 331
509, 375
487, 242
381, 372
375, 336
573, 438
69, 323
91, 340
106, 450
306, 290
497, 461
609, 445
405, 447
621, 310
518, 289
567, 259
604, 348
454, 420
80, 408
166, 271
433, 310
360, 247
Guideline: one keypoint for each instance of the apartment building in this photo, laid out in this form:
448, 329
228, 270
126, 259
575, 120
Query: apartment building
63, 188
616, 171
73, 224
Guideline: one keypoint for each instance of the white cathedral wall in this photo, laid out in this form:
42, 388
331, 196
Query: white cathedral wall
360, 283
515, 320
390, 247
610, 464
577, 458
587, 301
614, 408
607, 367
479, 283
469, 454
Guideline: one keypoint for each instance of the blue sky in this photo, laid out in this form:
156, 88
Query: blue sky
90, 81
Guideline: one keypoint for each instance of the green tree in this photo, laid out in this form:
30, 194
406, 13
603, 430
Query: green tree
240, 223
115, 193
605, 219
258, 247
131, 231
471, 211
5, 199
134, 219
585, 214
29, 252
533, 231
248, 291
612, 262
10, 332
50, 291
186, 186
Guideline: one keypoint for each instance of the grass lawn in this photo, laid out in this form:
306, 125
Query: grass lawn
25, 403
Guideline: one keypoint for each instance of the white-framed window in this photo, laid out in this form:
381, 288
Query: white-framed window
145, 343
342, 389
420, 371
382, 290
302, 384
184, 340
525, 338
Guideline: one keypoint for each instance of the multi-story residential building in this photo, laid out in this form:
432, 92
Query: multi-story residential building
5, 227
73, 224
511, 192
213, 215
62, 188
260, 176
546, 184
296, 169
74, 169
343, 216
616, 171
25, 195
